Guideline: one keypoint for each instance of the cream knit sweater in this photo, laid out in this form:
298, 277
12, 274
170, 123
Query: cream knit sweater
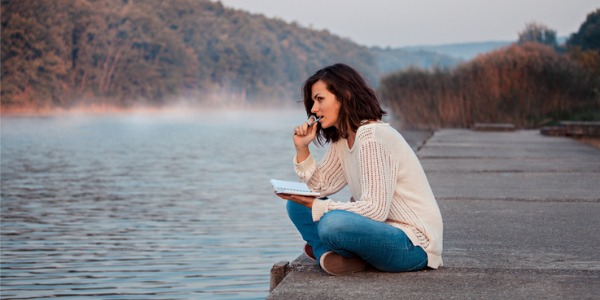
386, 180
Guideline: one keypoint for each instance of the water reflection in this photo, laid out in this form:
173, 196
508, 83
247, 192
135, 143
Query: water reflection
146, 207
172, 206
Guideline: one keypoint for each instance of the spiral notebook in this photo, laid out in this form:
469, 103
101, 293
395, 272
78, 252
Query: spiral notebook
291, 187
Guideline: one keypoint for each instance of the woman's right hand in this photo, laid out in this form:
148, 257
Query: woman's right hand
304, 135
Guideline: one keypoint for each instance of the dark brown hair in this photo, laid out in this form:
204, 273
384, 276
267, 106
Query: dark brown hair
358, 101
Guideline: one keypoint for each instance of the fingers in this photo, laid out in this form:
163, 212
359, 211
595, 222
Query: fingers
301, 130
302, 200
295, 198
285, 196
313, 128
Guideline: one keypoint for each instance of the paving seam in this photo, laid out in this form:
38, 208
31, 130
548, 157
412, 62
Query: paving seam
514, 171
543, 200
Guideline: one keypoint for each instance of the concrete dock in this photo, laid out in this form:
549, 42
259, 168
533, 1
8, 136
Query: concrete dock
521, 220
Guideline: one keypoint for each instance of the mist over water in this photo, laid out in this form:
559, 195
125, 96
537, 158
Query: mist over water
145, 206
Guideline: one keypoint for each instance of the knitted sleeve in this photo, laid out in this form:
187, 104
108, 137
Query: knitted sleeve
327, 178
377, 180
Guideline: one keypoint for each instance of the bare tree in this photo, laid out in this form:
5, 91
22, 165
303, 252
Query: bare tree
539, 33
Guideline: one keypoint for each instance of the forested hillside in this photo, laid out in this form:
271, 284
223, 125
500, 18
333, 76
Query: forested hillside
66, 53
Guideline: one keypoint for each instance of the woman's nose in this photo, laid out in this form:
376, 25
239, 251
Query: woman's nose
315, 108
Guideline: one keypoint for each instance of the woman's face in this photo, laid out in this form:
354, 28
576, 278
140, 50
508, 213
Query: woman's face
325, 105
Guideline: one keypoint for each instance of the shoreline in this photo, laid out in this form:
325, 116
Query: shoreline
415, 137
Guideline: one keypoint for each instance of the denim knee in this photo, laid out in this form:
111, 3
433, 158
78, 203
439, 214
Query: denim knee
294, 209
332, 225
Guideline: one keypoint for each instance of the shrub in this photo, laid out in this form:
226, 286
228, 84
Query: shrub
528, 85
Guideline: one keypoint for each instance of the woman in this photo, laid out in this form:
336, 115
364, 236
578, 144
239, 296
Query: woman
392, 222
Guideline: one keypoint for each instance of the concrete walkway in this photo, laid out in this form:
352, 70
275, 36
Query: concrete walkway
522, 220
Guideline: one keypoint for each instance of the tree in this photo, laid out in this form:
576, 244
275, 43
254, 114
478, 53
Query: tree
588, 35
66, 53
539, 33
33, 61
526, 85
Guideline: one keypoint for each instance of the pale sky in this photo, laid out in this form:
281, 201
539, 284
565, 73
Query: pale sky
398, 23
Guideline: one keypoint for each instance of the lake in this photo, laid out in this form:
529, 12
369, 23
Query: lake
145, 206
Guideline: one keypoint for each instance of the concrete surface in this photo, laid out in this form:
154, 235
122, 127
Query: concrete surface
521, 214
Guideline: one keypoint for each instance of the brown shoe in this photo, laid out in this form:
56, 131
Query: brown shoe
309, 252
336, 264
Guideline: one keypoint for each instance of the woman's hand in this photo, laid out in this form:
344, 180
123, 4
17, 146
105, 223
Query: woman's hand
302, 200
304, 134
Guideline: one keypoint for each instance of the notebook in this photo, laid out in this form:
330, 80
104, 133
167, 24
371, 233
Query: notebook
291, 187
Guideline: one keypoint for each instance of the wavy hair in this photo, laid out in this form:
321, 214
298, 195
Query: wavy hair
357, 100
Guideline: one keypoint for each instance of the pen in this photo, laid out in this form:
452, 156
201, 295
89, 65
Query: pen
313, 122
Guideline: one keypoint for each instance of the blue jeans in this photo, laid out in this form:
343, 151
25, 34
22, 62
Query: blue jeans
383, 246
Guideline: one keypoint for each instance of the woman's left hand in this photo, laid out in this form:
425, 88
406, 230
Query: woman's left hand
302, 200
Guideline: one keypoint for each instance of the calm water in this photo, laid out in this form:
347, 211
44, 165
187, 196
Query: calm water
170, 206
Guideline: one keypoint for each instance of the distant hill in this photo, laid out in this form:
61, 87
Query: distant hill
427, 57
395, 59
462, 51
465, 51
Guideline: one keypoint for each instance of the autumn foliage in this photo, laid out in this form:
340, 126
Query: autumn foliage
527, 85
115, 54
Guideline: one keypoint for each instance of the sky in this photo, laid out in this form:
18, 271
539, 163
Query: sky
399, 23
